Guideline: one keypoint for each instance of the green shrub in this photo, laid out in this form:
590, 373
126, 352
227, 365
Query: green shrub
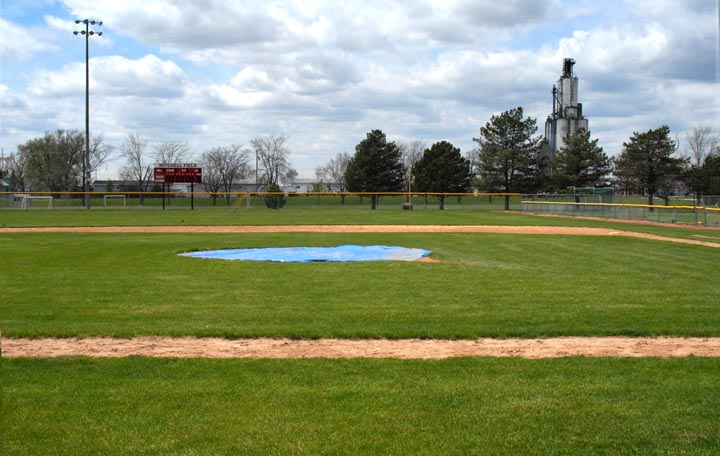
275, 198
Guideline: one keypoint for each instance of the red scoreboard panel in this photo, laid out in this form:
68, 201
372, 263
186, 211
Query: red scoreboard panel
178, 173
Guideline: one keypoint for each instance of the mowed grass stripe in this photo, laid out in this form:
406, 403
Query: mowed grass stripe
484, 215
486, 285
463, 406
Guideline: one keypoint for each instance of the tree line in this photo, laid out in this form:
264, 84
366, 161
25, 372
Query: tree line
509, 158
55, 162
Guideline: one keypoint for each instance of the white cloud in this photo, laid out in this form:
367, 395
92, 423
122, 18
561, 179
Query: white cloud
114, 75
68, 81
326, 72
61, 25
19, 42
148, 77
507, 13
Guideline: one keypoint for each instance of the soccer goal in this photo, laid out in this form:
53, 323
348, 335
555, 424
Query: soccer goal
27, 201
105, 199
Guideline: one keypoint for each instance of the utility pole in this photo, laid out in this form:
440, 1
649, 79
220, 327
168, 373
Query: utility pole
86, 162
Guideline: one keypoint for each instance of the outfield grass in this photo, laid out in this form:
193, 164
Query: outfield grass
322, 216
67, 284
81, 406
255, 216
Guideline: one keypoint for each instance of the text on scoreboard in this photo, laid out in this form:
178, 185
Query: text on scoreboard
177, 173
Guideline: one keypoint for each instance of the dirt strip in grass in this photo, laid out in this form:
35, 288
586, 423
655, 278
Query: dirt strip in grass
535, 230
191, 347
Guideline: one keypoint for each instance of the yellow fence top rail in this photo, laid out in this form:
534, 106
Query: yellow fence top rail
262, 192
645, 206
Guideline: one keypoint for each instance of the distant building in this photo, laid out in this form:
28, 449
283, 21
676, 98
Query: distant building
6, 185
103, 186
567, 116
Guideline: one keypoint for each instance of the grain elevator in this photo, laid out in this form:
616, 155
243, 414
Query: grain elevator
567, 116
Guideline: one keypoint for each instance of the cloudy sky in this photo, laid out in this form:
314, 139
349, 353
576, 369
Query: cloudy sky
324, 73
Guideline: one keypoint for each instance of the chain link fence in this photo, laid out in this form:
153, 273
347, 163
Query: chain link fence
255, 200
682, 211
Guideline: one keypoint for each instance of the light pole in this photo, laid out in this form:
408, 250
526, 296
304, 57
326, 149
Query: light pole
86, 161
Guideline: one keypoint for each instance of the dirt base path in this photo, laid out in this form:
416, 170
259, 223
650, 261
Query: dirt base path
503, 229
190, 347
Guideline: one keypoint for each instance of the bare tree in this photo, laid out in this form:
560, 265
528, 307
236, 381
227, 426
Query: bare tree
137, 167
273, 158
320, 175
223, 165
212, 178
701, 143
474, 157
412, 152
234, 166
99, 152
290, 175
334, 171
15, 168
172, 152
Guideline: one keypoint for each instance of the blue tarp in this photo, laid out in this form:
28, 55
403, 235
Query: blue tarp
313, 254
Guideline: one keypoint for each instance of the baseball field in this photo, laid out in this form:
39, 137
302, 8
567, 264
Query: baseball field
520, 335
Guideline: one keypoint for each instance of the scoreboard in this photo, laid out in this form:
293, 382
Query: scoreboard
177, 173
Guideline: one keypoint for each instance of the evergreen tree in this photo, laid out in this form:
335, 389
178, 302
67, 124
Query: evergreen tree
375, 167
648, 158
442, 169
580, 163
509, 158
275, 197
623, 176
711, 171
704, 179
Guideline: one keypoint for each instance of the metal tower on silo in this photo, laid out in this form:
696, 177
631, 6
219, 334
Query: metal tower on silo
566, 117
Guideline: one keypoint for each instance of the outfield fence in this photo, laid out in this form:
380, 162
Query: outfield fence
255, 200
683, 215
681, 210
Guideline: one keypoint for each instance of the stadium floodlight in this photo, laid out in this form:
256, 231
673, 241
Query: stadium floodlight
86, 161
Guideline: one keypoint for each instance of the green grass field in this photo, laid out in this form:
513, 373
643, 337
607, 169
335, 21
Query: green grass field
66, 284
453, 407
489, 215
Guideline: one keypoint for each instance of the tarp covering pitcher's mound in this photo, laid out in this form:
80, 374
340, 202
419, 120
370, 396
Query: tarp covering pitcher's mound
316, 254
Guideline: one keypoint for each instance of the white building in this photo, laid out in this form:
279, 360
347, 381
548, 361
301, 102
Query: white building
567, 116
